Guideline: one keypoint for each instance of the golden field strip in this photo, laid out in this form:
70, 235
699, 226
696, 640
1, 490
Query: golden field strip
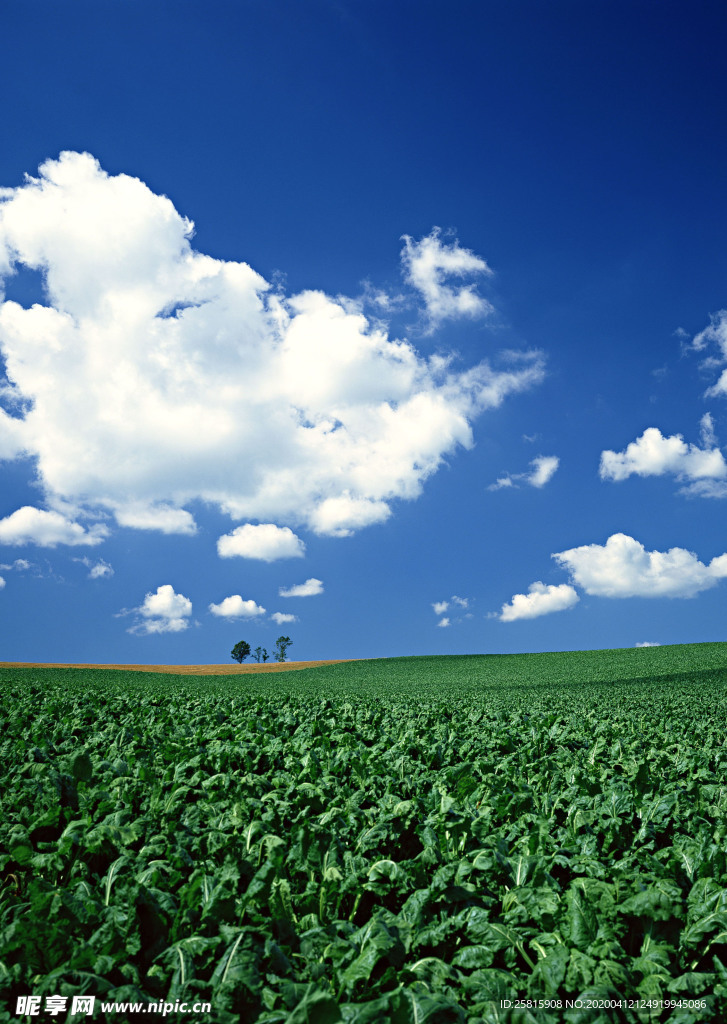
186, 670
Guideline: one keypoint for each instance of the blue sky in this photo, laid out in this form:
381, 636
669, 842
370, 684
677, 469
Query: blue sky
396, 328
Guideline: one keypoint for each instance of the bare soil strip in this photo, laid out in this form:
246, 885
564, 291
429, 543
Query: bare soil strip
188, 670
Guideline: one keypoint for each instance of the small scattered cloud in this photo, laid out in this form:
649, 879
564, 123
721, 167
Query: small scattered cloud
19, 565
265, 542
541, 599
384, 302
622, 567
283, 617
715, 333
715, 336
453, 604
647, 643
2, 582
707, 432
22, 565
29, 525
429, 262
99, 570
502, 481
311, 588
163, 611
652, 454
543, 469
234, 607
706, 489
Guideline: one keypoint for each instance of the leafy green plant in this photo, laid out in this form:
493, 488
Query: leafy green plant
403, 840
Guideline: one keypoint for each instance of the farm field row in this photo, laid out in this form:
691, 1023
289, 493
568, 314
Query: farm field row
404, 840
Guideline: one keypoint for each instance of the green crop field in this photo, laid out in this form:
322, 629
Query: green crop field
474, 839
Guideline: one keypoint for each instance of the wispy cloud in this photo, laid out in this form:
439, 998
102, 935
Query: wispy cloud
98, 570
714, 336
20, 565
429, 263
543, 469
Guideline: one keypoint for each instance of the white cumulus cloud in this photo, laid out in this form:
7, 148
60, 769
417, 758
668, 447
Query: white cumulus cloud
154, 376
440, 607
266, 542
2, 582
234, 607
162, 612
310, 588
282, 617
541, 599
443, 623
647, 643
622, 567
652, 454
47, 529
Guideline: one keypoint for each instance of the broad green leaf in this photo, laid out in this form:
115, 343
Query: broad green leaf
473, 957
581, 918
82, 767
